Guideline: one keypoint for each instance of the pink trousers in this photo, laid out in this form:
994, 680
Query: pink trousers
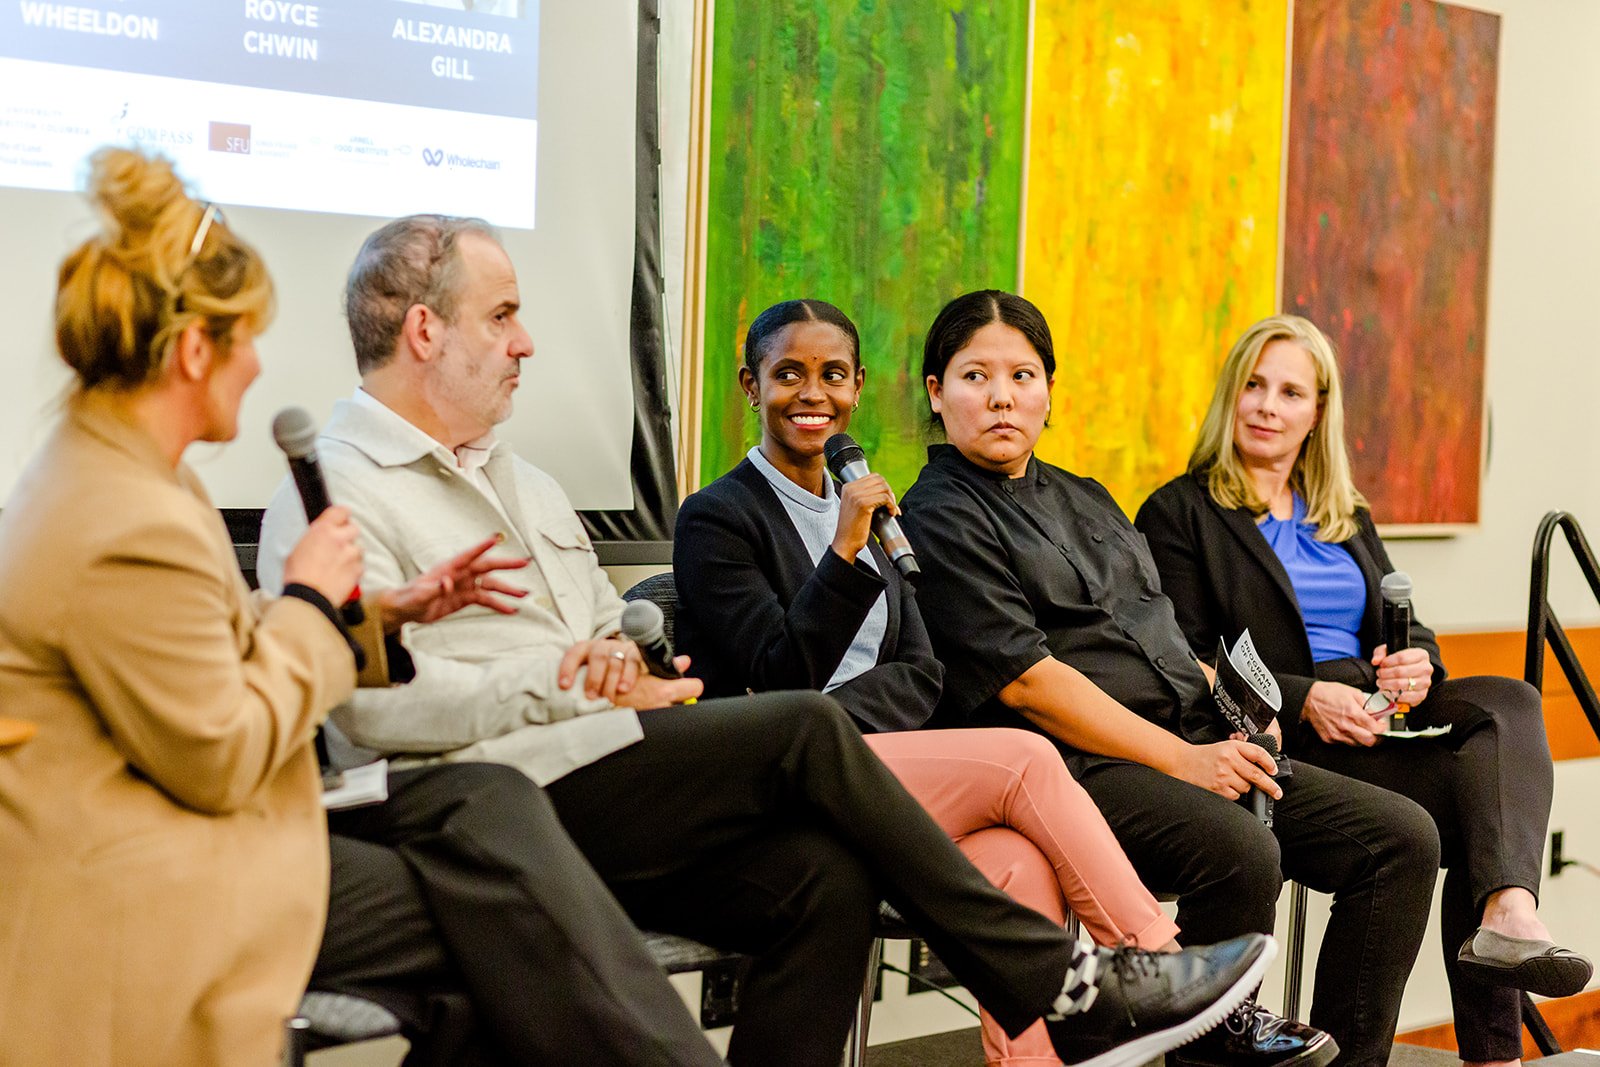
1008, 800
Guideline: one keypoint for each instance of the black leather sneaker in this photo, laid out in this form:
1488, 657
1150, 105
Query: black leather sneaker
1251, 1036
1148, 1003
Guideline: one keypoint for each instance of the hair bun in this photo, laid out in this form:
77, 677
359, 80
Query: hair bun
138, 196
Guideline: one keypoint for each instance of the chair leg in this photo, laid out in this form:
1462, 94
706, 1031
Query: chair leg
855, 1053
1295, 964
296, 1030
1538, 1029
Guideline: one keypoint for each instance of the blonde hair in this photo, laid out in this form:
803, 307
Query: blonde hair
1321, 472
124, 296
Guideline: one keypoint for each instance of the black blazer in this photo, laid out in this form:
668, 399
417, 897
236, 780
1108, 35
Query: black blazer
1223, 577
754, 613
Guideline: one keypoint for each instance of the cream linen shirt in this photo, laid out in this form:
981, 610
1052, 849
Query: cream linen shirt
486, 683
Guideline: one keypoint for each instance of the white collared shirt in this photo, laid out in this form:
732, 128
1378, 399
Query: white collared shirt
469, 459
487, 684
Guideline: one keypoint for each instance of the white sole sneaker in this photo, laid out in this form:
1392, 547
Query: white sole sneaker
1146, 1047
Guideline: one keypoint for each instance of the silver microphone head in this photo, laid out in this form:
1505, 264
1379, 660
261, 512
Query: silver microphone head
840, 451
1395, 587
643, 623
295, 431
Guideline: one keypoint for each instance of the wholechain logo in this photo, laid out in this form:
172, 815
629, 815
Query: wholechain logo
433, 156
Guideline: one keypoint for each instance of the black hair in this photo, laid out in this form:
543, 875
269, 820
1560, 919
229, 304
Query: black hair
957, 322
759, 339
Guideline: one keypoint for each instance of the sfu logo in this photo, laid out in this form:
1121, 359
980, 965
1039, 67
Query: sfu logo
433, 156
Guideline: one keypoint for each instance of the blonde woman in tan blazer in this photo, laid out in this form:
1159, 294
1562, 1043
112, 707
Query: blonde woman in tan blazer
163, 852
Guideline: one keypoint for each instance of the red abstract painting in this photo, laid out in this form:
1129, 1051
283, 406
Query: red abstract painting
1386, 235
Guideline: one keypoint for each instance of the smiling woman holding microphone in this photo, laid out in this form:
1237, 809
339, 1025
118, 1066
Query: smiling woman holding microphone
162, 835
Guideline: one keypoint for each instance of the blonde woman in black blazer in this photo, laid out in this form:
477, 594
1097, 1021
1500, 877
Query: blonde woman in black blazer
1267, 532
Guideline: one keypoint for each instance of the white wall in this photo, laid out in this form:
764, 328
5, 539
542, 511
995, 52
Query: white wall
1543, 368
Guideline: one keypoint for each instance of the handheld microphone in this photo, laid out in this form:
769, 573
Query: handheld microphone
645, 626
1395, 625
1396, 619
296, 433
848, 462
1261, 802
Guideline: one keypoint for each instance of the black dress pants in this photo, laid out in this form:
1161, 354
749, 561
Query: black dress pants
1375, 851
1488, 786
462, 906
765, 825
381, 944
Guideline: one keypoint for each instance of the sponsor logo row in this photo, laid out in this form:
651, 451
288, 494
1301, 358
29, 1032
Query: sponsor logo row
235, 138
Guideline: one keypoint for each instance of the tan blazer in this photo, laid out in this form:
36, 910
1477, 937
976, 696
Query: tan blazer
163, 852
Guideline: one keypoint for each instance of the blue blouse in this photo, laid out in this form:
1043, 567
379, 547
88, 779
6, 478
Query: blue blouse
1327, 582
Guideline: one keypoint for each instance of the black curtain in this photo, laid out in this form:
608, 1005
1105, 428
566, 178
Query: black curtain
655, 486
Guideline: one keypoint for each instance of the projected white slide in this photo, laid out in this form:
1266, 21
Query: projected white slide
273, 103
336, 143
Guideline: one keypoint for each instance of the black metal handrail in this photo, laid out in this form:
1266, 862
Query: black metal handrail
1543, 626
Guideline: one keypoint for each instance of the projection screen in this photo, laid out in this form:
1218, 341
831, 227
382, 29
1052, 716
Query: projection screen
310, 123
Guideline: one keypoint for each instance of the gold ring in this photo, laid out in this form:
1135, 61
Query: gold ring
1411, 684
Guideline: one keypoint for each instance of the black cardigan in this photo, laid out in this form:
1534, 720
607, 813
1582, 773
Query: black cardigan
1223, 577
755, 614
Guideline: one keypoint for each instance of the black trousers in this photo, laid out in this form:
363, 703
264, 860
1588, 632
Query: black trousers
462, 906
765, 825
1488, 785
1375, 851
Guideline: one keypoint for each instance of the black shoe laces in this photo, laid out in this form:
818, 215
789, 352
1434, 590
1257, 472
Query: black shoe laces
1131, 963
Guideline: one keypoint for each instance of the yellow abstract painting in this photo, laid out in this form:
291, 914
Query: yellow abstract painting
1151, 217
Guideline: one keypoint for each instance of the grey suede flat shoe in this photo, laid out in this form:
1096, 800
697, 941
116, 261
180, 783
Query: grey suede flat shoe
1523, 963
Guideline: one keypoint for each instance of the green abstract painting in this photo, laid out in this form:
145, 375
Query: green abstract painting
868, 154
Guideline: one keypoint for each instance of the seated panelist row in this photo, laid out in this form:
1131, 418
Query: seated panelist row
760, 824
776, 545
167, 856
1044, 620
531, 675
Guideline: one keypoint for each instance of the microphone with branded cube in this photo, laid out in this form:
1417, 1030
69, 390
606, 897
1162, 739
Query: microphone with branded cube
1249, 699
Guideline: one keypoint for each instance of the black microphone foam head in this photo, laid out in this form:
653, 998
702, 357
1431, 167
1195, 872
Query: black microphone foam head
295, 431
1266, 741
841, 449
1395, 587
643, 623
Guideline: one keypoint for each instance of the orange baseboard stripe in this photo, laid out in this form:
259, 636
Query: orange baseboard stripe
1502, 653
1574, 1020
